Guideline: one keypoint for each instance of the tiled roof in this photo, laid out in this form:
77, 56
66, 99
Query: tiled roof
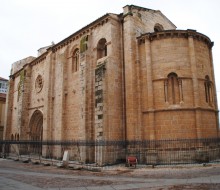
3, 79
2, 95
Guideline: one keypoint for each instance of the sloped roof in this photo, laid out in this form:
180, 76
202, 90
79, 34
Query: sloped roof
2, 95
3, 79
146, 9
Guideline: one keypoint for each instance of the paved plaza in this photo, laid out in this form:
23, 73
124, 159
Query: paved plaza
27, 176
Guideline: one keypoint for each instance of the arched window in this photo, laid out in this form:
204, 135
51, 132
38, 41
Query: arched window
158, 27
75, 60
12, 137
173, 89
208, 89
101, 48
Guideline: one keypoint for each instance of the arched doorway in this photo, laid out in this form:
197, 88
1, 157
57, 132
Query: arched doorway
36, 132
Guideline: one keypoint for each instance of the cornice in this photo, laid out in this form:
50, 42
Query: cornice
77, 35
139, 8
39, 59
34, 62
16, 74
165, 78
3, 79
179, 108
175, 34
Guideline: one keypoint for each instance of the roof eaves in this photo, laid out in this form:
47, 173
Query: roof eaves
81, 30
139, 7
3, 79
166, 18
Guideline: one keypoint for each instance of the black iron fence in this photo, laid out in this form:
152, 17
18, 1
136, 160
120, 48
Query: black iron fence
185, 151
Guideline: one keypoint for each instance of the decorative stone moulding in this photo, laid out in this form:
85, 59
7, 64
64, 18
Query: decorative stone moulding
81, 33
39, 83
175, 34
39, 59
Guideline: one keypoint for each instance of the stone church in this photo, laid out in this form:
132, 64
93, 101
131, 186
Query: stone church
128, 76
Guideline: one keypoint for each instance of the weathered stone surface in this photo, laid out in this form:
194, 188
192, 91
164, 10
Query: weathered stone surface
130, 76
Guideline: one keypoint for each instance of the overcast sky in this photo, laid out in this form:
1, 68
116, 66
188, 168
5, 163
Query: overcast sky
27, 25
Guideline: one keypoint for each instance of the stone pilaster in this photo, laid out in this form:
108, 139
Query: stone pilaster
150, 94
88, 80
48, 83
64, 91
130, 77
99, 106
214, 90
196, 97
24, 102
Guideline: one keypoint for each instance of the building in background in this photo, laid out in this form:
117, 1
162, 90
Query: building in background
123, 77
3, 92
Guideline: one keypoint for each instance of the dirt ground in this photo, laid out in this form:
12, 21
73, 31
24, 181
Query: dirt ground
114, 176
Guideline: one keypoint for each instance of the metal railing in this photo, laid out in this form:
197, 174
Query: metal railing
157, 152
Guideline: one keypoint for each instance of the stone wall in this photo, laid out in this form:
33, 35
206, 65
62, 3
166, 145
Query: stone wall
136, 22
123, 77
187, 55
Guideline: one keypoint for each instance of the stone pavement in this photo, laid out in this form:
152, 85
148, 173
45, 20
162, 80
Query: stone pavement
21, 176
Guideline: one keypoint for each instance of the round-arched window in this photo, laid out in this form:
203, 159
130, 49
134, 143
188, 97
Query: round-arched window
101, 48
158, 28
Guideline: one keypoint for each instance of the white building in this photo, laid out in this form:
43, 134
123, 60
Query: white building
3, 85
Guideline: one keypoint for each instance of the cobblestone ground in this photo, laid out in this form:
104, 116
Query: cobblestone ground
117, 177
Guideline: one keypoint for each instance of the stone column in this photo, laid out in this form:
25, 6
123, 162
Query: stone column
150, 96
166, 90
180, 90
192, 59
214, 96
